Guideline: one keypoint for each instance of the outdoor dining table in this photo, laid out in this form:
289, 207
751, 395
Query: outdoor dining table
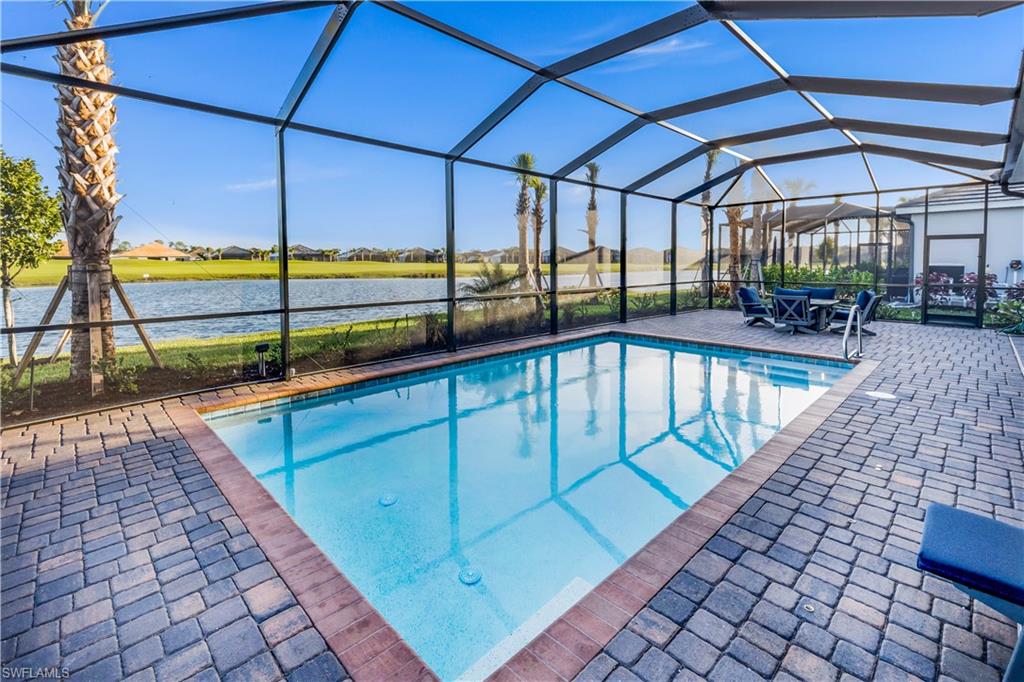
823, 305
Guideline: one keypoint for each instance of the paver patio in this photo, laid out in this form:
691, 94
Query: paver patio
121, 557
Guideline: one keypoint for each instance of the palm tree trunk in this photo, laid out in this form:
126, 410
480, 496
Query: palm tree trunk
88, 184
592, 249
522, 268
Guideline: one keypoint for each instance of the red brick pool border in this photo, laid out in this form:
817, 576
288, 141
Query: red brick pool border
368, 647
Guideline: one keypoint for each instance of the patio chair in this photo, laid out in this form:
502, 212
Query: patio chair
822, 292
754, 311
981, 557
792, 308
868, 302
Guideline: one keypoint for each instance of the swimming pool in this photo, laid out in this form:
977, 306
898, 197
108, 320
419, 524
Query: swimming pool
473, 505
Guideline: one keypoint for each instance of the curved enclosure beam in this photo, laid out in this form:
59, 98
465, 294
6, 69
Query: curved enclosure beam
162, 24
747, 10
929, 92
976, 138
601, 147
627, 42
931, 157
659, 115
317, 58
1013, 153
911, 154
744, 138
717, 180
645, 35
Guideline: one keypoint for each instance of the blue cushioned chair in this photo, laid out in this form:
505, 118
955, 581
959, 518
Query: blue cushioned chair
868, 302
982, 557
754, 311
829, 293
792, 308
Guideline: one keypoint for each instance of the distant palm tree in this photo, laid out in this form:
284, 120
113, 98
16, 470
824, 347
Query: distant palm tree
593, 170
523, 162
797, 187
705, 199
734, 216
332, 254
540, 191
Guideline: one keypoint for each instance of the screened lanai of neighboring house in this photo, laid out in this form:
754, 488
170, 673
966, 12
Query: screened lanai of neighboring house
651, 127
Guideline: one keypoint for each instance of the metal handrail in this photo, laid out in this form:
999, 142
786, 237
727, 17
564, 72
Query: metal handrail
855, 310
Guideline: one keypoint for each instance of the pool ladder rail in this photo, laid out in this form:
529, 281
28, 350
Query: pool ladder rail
854, 311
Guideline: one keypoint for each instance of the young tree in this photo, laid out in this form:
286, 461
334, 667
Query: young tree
707, 228
540, 192
593, 170
523, 162
88, 175
31, 219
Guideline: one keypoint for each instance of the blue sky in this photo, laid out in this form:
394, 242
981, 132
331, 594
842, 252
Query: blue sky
210, 180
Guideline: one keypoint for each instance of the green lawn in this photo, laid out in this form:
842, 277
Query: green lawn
50, 272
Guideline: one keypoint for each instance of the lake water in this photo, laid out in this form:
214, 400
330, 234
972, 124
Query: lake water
162, 299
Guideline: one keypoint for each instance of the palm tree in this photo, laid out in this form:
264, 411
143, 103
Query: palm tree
523, 162
734, 216
705, 199
88, 186
593, 170
487, 282
797, 187
540, 191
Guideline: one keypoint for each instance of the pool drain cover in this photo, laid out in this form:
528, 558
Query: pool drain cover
387, 500
469, 576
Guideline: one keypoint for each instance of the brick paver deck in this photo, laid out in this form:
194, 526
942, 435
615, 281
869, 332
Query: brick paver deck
122, 557
815, 577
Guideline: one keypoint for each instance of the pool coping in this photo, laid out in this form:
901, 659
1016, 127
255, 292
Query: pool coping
366, 644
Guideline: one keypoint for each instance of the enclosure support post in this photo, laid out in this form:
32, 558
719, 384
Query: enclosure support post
925, 267
282, 256
553, 255
622, 257
449, 222
708, 256
782, 239
673, 297
982, 290
874, 257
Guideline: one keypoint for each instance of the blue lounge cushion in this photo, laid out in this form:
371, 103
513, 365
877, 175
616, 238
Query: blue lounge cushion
779, 291
757, 310
822, 292
749, 296
863, 298
975, 551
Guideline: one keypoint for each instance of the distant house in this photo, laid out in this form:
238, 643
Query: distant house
644, 256
362, 253
63, 253
564, 254
154, 251
201, 253
418, 254
303, 252
234, 253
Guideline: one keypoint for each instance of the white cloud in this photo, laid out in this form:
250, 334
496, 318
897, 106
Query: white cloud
252, 186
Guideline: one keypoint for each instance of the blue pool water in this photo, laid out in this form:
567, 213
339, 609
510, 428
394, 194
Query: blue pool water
473, 506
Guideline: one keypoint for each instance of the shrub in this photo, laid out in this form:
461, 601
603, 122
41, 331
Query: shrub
119, 377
